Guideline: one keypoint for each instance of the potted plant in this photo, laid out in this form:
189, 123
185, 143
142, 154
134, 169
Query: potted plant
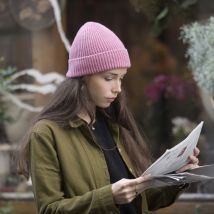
12, 81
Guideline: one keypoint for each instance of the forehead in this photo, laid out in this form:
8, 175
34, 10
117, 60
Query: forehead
116, 72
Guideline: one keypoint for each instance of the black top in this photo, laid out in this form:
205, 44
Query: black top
116, 166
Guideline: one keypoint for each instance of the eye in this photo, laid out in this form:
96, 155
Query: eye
109, 78
121, 78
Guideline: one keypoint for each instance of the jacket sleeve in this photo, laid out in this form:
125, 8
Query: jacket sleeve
163, 196
48, 183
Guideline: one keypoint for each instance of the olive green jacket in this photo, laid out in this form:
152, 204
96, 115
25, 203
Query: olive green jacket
70, 175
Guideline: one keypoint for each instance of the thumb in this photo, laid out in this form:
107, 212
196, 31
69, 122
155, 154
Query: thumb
142, 179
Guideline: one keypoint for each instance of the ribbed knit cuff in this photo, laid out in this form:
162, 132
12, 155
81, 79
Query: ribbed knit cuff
98, 62
106, 199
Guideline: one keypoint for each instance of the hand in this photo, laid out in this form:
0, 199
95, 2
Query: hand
193, 161
125, 190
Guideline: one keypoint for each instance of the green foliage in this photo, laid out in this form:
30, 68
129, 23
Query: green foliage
5, 74
159, 12
3, 115
7, 209
188, 3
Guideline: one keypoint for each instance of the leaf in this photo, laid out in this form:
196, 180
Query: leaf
163, 13
188, 3
7, 209
160, 22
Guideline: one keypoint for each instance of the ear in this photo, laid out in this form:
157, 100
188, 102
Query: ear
85, 79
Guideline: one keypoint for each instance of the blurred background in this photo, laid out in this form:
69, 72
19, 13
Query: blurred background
34, 40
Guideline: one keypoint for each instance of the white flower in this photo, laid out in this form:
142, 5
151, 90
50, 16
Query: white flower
200, 40
182, 123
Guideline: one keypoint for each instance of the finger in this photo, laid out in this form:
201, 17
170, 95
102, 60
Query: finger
196, 151
141, 186
147, 177
182, 169
187, 167
129, 197
193, 159
143, 179
138, 180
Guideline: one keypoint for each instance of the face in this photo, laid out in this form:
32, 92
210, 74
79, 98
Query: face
104, 87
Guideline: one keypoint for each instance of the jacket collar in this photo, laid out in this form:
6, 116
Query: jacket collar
77, 122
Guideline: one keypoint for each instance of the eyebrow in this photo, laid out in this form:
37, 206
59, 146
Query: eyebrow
112, 74
115, 74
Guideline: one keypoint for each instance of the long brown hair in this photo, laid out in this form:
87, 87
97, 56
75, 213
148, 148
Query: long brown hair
72, 96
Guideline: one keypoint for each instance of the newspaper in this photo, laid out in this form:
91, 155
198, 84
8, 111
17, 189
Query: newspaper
162, 171
202, 173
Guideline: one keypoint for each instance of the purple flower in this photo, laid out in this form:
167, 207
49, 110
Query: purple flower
168, 87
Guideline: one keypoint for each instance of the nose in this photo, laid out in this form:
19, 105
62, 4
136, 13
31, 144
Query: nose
117, 87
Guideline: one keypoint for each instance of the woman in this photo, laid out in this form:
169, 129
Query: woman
84, 152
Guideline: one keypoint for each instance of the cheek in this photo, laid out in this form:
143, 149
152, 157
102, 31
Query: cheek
101, 88
97, 90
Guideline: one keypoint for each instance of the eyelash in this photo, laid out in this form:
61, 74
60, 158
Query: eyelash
111, 78
108, 78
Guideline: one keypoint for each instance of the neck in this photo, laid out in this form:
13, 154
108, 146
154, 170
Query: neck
85, 116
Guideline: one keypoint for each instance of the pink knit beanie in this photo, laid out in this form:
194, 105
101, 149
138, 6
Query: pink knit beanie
95, 49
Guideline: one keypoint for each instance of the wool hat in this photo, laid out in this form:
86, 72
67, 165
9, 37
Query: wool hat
96, 49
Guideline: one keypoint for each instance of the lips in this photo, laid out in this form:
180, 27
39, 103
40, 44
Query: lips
111, 98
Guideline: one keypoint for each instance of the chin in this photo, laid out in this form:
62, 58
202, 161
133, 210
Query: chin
103, 105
